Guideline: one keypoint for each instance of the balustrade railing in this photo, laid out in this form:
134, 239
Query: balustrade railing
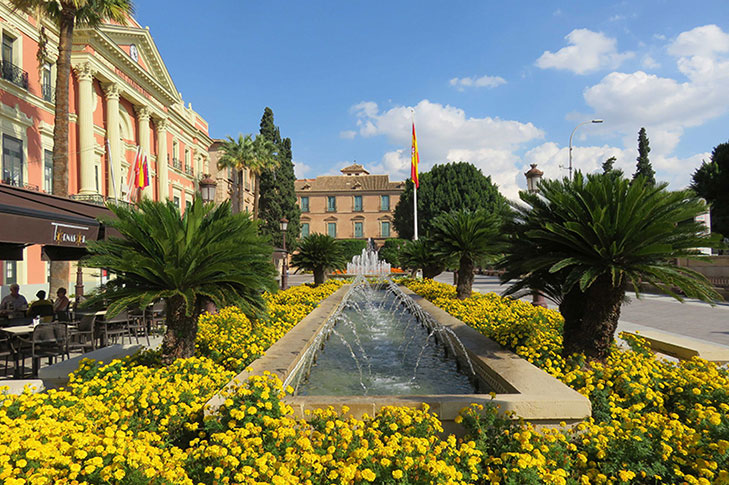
17, 183
177, 164
14, 74
49, 94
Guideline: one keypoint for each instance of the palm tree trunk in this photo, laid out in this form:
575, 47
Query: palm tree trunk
465, 279
255, 198
591, 319
179, 340
235, 196
59, 269
319, 277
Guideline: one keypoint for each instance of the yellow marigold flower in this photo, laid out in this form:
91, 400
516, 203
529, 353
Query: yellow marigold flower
397, 474
368, 475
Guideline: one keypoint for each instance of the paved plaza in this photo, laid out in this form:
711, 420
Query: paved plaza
692, 318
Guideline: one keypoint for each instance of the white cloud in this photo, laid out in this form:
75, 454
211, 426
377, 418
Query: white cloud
588, 51
347, 134
301, 169
649, 63
446, 134
705, 41
473, 82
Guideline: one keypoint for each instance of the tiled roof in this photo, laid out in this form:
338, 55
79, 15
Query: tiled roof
345, 183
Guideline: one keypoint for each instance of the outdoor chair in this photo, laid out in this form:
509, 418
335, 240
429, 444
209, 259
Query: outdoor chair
47, 340
138, 326
157, 317
116, 328
6, 350
83, 336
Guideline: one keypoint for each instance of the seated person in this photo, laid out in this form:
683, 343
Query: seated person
14, 304
62, 305
41, 307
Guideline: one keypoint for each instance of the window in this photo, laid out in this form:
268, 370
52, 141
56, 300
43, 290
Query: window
304, 229
331, 203
358, 232
9, 70
176, 200
357, 203
46, 87
48, 171
11, 272
7, 54
304, 204
188, 168
385, 229
384, 202
12, 161
332, 229
188, 204
96, 175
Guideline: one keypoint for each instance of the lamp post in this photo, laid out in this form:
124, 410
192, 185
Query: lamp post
573, 132
207, 188
533, 176
285, 265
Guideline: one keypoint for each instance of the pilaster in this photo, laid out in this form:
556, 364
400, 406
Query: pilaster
143, 115
85, 75
114, 136
163, 190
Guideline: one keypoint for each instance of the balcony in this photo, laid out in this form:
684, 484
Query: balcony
98, 199
48, 93
188, 169
177, 164
17, 183
14, 74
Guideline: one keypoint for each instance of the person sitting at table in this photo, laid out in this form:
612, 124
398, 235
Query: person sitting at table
41, 307
14, 304
61, 305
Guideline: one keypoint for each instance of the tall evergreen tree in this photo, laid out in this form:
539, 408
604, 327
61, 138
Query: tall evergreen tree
445, 188
711, 181
277, 192
607, 165
643, 167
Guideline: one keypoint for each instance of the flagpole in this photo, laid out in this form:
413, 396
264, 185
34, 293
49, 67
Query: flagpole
415, 187
111, 170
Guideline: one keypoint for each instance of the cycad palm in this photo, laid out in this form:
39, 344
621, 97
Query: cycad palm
419, 254
583, 241
319, 253
466, 238
207, 254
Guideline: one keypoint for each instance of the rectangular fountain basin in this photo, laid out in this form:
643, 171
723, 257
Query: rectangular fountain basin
519, 386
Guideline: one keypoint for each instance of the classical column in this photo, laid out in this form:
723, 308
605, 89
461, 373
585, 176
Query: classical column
162, 180
114, 137
85, 76
143, 114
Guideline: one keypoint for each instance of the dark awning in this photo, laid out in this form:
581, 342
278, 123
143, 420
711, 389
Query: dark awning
62, 226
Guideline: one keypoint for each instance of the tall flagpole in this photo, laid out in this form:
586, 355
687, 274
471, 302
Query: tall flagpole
111, 170
413, 160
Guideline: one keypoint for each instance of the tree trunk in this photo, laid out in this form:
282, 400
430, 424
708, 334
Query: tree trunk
179, 340
236, 195
319, 277
591, 319
255, 198
59, 277
60, 124
465, 279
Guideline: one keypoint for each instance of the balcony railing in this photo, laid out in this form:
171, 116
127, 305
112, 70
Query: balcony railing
16, 183
49, 94
98, 199
14, 74
177, 164
188, 169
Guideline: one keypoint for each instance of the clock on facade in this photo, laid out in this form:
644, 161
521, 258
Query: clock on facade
133, 53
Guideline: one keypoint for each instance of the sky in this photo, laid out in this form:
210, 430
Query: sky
501, 85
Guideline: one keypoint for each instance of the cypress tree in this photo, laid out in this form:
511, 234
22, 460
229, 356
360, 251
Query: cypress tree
277, 191
643, 167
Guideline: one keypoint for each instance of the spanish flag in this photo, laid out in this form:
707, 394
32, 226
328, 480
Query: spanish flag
415, 159
143, 174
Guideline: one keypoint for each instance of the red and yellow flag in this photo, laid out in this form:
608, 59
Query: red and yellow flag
142, 174
415, 160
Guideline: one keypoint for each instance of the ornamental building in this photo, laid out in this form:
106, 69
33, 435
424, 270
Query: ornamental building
354, 205
122, 100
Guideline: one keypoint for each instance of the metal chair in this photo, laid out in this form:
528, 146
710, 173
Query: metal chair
138, 325
83, 337
7, 351
47, 340
116, 327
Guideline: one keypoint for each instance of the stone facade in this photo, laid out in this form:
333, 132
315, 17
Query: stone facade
354, 205
121, 99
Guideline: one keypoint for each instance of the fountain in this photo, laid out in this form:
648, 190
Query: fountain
368, 263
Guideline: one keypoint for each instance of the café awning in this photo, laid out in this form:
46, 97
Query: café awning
62, 226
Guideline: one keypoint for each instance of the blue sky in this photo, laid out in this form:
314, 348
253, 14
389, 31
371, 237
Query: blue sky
497, 84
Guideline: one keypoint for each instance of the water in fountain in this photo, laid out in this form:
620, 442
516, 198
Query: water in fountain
385, 345
368, 263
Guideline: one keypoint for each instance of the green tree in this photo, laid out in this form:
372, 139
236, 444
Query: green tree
67, 15
351, 247
421, 254
445, 188
278, 194
607, 168
582, 242
235, 155
206, 255
319, 253
390, 251
644, 167
467, 238
711, 181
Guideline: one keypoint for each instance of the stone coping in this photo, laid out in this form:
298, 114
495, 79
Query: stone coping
678, 346
522, 388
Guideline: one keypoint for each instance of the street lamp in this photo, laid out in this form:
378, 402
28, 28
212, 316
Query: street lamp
207, 188
285, 265
573, 132
533, 176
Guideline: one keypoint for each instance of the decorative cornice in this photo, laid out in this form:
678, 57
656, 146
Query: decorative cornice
16, 115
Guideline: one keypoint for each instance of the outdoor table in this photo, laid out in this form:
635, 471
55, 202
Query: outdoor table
16, 332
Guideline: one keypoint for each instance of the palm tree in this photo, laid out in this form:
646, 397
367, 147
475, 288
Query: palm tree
584, 241
69, 14
468, 238
420, 254
257, 155
319, 253
206, 255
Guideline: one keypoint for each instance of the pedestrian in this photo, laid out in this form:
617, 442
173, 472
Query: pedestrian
61, 305
41, 307
14, 305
